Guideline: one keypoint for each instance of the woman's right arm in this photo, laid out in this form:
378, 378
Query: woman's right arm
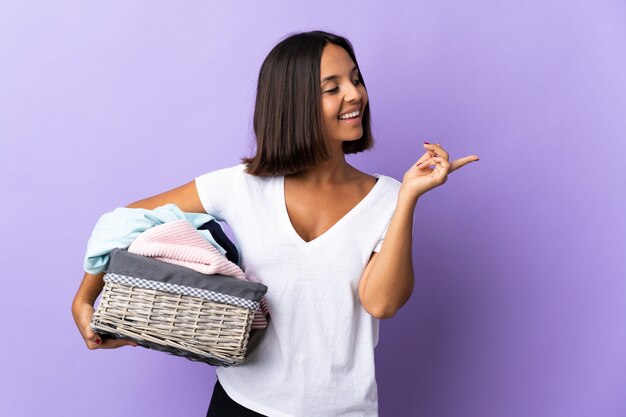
186, 198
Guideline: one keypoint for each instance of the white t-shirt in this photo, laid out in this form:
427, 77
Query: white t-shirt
316, 357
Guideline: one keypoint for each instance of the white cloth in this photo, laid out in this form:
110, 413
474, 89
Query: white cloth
316, 357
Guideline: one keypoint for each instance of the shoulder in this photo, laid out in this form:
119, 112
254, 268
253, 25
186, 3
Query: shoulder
371, 181
217, 189
231, 180
222, 174
390, 182
389, 188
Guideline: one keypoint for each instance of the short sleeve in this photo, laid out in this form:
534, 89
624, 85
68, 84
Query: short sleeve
217, 190
379, 244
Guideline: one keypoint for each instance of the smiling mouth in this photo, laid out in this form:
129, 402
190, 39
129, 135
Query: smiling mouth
350, 116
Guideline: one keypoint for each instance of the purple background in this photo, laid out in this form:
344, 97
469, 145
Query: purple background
519, 306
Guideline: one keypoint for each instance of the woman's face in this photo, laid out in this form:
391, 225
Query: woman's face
342, 94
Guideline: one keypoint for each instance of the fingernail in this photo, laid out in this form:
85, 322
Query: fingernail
427, 143
98, 341
419, 164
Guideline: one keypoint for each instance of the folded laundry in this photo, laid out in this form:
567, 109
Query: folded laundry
179, 242
129, 267
120, 227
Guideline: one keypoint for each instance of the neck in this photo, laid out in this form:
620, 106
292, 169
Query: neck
332, 170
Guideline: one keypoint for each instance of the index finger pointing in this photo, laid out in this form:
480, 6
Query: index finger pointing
458, 163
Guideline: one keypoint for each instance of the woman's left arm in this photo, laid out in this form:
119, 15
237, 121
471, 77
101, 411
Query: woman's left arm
387, 282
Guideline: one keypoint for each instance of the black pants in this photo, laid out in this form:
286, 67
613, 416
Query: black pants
224, 406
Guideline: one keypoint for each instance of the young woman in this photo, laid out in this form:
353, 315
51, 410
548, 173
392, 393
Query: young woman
333, 244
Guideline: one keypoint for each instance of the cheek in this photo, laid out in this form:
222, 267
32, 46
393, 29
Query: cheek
329, 111
363, 96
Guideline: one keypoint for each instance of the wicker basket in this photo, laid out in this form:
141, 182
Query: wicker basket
177, 310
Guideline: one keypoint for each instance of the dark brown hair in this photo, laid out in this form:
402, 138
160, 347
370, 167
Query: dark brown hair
288, 107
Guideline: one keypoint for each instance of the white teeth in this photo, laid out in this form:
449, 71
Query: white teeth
349, 115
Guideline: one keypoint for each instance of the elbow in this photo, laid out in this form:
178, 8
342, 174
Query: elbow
381, 312
385, 314
383, 309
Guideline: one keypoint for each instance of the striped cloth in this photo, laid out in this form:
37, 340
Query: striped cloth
179, 242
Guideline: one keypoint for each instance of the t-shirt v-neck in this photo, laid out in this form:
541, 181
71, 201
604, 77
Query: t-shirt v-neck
288, 224
316, 356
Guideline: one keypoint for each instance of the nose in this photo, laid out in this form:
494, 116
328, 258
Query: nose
353, 93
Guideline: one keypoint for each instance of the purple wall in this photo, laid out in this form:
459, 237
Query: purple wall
519, 306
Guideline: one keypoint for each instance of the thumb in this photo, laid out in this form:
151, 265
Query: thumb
91, 337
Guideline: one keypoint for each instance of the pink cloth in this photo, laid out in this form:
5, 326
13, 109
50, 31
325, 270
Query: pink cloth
178, 242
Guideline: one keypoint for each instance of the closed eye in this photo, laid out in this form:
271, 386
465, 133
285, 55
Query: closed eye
356, 82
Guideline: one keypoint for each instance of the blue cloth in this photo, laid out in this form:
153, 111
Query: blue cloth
120, 227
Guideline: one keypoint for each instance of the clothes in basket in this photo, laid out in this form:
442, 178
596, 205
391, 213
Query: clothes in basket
175, 309
120, 227
180, 243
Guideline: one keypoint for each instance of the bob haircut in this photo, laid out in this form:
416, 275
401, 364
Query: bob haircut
288, 108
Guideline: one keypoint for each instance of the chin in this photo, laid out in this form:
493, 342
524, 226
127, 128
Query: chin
352, 136
348, 138
356, 137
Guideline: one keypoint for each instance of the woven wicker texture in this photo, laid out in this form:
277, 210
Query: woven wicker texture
187, 326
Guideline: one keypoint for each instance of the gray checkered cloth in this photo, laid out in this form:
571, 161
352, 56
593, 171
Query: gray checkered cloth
144, 272
180, 289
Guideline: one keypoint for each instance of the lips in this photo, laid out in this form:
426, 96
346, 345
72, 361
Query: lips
353, 116
351, 110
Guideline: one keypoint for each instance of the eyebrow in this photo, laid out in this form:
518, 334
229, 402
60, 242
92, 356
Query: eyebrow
331, 77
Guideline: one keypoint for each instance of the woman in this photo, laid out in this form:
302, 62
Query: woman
332, 243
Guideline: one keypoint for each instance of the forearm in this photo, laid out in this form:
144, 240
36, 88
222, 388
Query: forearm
389, 283
89, 289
